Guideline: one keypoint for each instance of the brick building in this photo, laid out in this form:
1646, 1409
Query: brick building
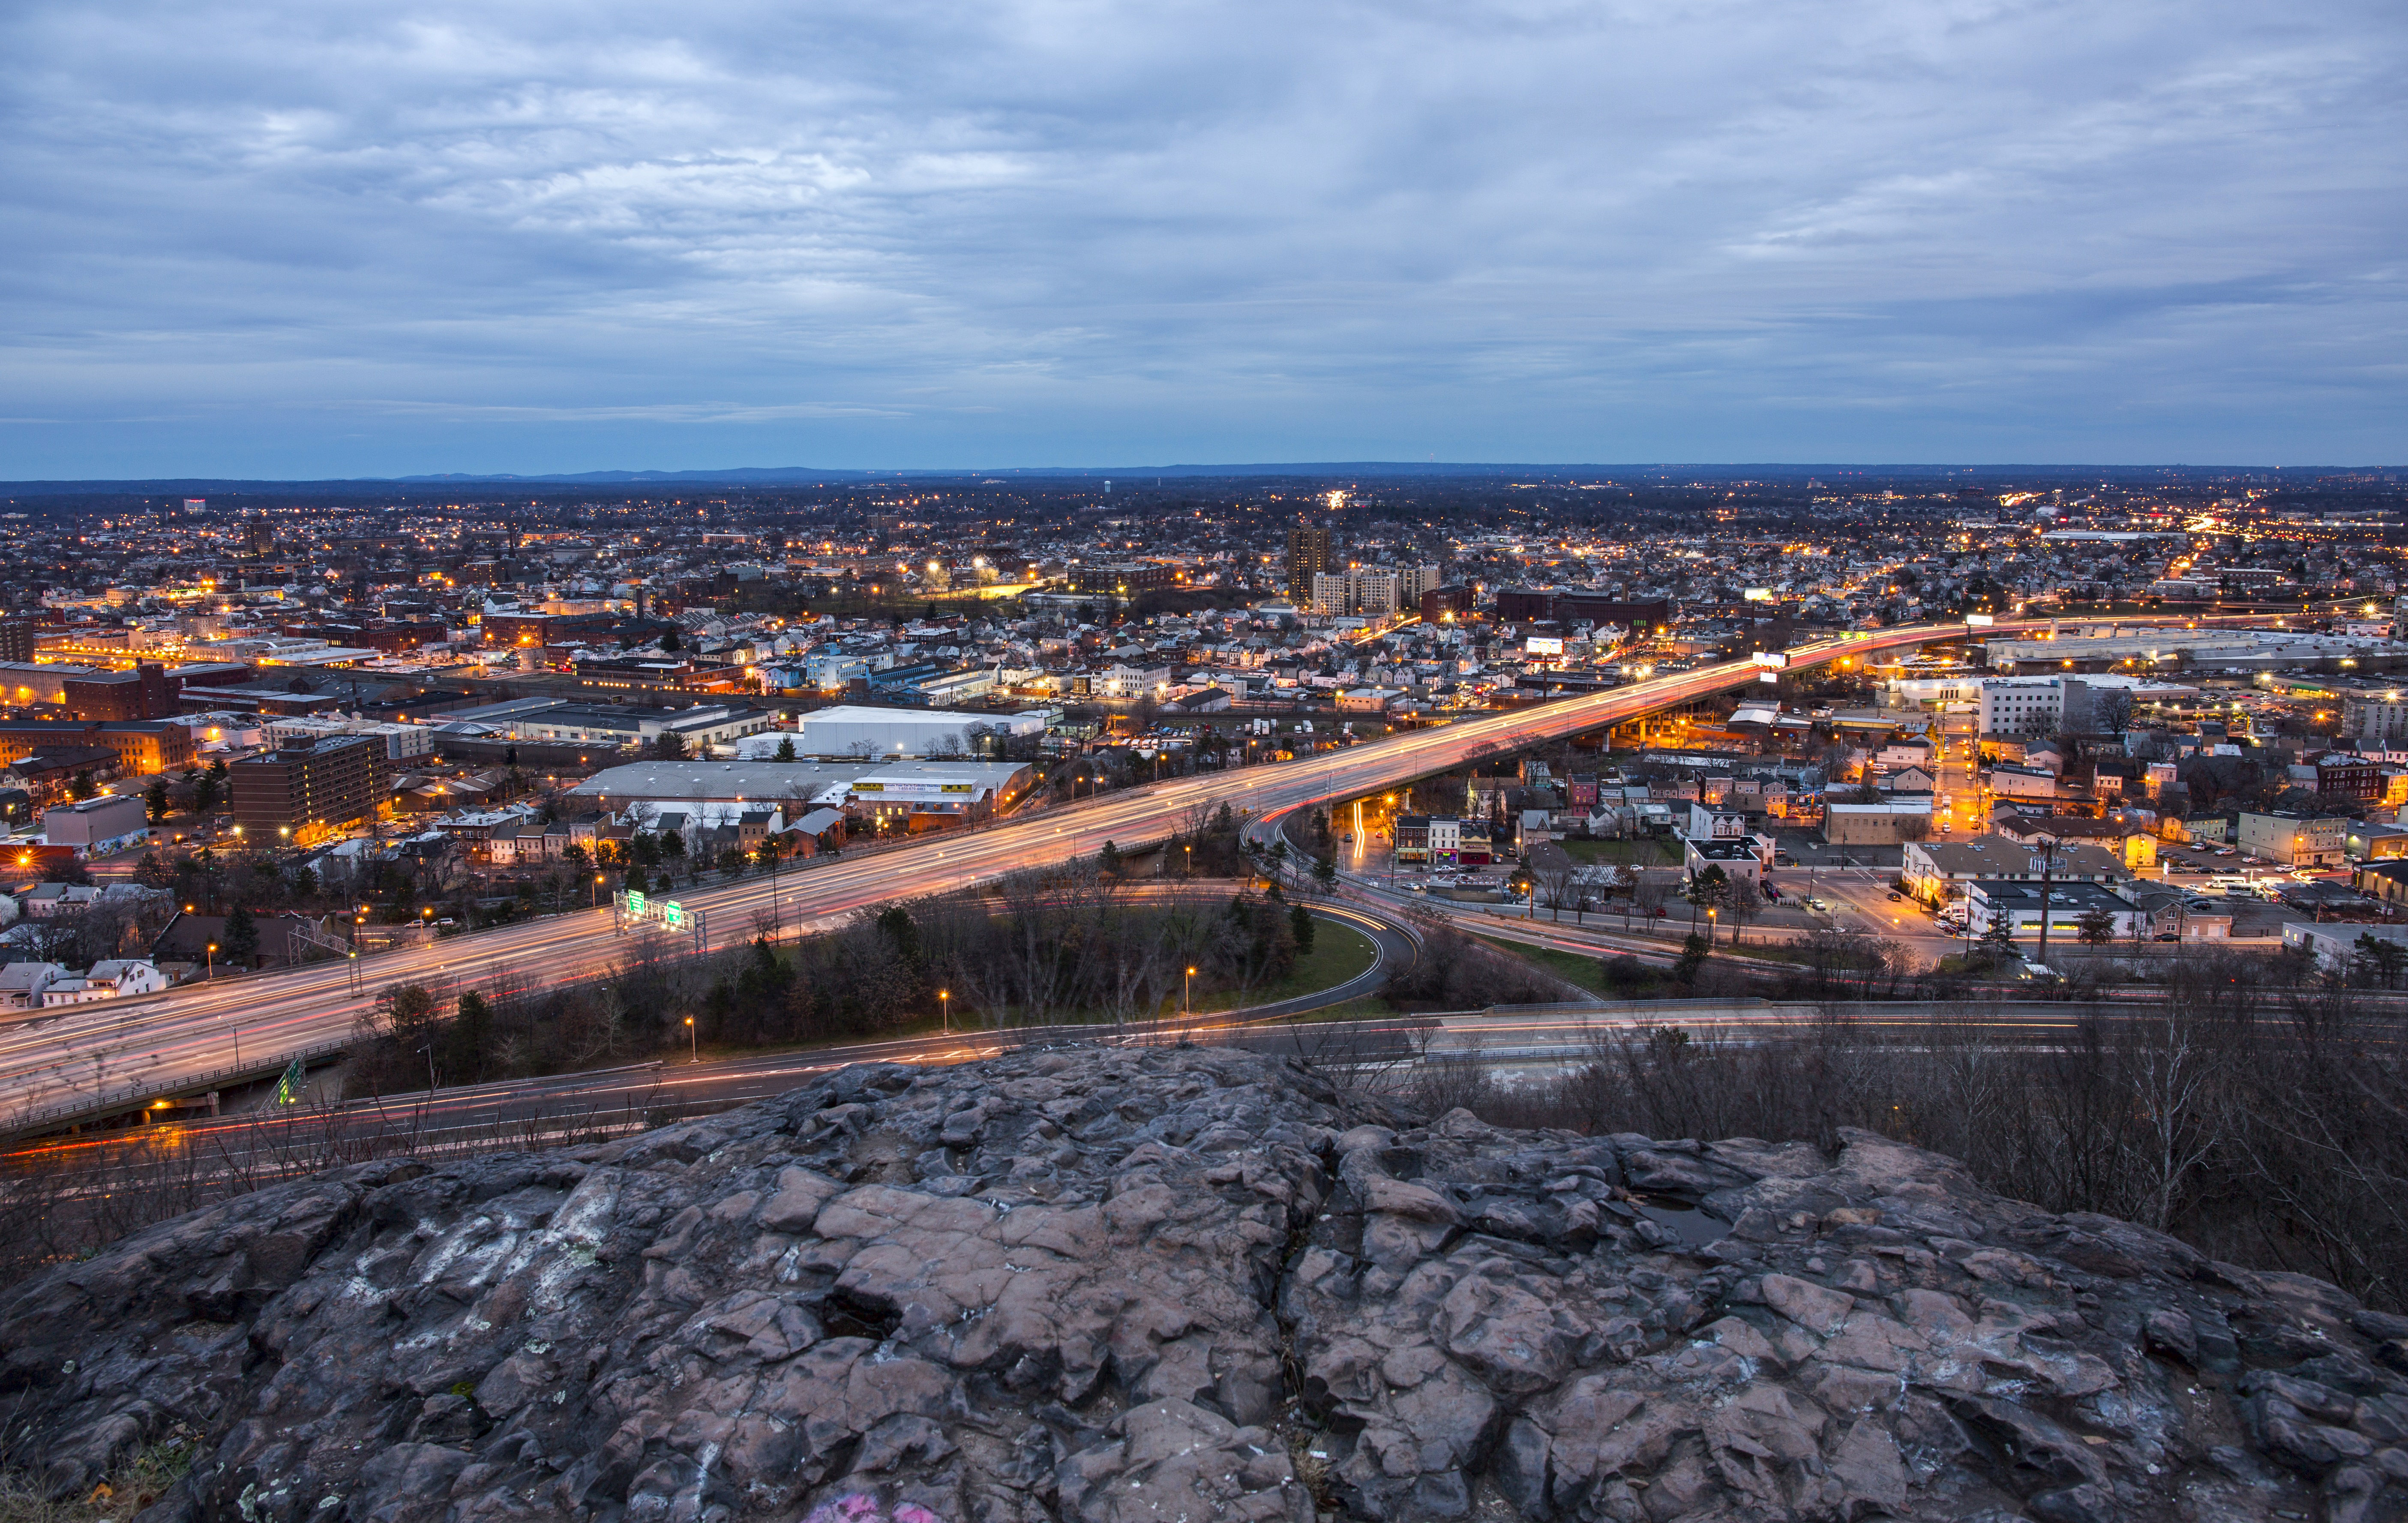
309, 786
144, 693
1120, 577
142, 745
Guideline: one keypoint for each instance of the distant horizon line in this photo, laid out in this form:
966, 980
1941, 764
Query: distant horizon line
837, 475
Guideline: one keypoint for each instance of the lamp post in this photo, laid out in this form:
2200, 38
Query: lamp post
211, 961
945, 1011
593, 894
1710, 912
1187, 992
692, 1042
1191, 860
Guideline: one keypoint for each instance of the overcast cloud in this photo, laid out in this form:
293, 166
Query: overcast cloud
330, 237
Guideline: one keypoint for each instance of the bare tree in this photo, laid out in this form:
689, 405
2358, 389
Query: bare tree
1745, 903
1556, 882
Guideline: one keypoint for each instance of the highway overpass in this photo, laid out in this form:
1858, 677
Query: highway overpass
108, 1056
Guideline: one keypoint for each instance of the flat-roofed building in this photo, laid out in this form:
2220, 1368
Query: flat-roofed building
142, 745
1936, 871
1877, 824
144, 693
2293, 839
309, 787
2022, 905
99, 824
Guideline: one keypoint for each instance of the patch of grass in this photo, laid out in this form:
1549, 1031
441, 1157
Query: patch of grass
1587, 973
1338, 953
135, 1484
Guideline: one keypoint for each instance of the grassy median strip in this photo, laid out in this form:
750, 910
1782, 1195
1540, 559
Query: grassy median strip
1338, 953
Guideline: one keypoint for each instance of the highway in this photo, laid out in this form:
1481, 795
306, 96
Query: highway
110, 1055
278, 1141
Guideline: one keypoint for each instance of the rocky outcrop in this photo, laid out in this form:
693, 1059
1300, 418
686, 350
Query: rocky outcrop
1113, 1285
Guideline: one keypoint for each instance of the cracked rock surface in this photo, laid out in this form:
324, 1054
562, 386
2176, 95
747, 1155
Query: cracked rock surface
1128, 1285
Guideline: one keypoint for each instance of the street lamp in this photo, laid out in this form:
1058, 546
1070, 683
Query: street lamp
692, 1042
1186, 994
1710, 912
593, 894
1191, 860
945, 1011
211, 961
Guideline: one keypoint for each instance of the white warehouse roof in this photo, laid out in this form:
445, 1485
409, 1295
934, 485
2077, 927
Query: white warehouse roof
856, 730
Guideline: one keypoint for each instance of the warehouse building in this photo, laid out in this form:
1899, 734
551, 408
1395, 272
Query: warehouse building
863, 733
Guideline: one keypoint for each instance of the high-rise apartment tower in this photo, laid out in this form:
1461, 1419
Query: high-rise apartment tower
1308, 552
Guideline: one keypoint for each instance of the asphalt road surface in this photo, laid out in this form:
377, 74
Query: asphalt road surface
604, 1101
109, 1055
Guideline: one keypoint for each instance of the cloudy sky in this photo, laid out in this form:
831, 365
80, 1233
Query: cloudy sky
305, 237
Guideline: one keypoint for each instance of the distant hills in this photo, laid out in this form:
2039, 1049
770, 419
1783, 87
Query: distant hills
1316, 469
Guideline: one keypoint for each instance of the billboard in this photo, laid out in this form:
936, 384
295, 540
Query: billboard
1776, 660
1980, 621
1544, 645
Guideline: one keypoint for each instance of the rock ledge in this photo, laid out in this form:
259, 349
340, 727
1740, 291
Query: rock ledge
1113, 1286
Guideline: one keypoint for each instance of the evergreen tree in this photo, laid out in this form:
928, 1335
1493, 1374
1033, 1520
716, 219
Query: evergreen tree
896, 925
786, 749
464, 1045
1693, 959
156, 800
241, 937
1301, 923
1109, 859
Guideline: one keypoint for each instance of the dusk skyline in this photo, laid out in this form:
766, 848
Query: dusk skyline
267, 241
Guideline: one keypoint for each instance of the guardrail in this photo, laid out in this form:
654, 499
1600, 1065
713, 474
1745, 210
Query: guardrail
141, 1093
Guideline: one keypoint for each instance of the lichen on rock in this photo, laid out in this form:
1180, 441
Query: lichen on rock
1111, 1285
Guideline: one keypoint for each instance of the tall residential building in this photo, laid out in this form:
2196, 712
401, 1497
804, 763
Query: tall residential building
2377, 718
16, 639
1372, 589
1310, 551
309, 786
